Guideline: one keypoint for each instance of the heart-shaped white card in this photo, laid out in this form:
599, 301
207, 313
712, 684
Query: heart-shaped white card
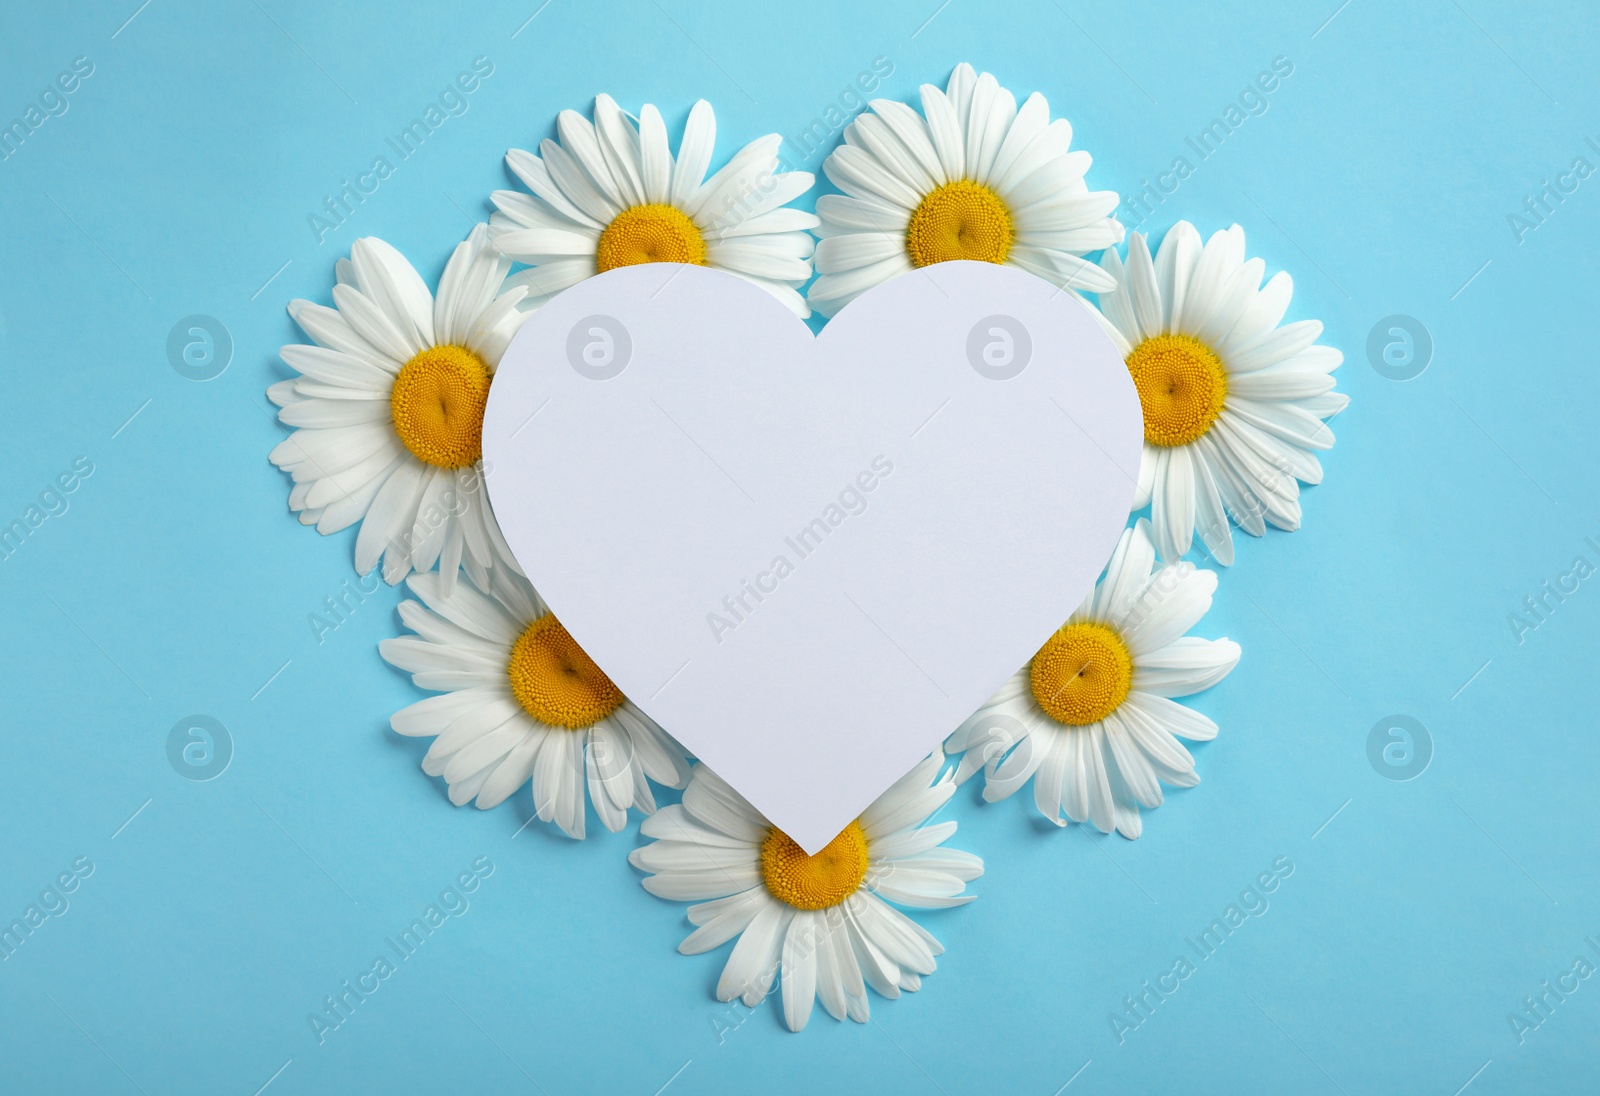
810, 558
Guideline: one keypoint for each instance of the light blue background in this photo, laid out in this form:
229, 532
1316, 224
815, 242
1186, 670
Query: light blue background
1382, 175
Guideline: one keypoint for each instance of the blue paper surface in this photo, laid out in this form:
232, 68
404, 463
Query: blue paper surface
1400, 169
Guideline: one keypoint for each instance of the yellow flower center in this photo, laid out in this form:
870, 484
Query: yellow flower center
555, 682
1082, 674
959, 220
652, 233
437, 404
814, 882
1181, 387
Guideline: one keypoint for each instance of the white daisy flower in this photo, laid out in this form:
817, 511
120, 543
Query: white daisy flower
1090, 716
1233, 403
821, 921
610, 194
388, 408
971, 177
519, 700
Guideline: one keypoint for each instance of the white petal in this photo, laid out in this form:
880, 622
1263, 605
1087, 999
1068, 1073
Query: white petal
1211, 520
536, 176
1143, 291
694, 153
858, 173
753, 963
840, 253
722, 919
945, 132
387, 279
1185, 666
1180, 250
620, 145
1126, 575
799, 961
1174, 717
1178, 596
1173, 504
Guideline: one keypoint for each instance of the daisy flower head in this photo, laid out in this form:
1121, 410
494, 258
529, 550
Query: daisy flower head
387, 409
610, 193
1233, 398
519, 701
971, 177
1090, 719
821, 925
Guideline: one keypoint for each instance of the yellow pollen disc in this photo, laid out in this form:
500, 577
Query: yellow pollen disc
650, 234
437, 404
555, 682
959, 220
1181, 387
814, 882
1082, 674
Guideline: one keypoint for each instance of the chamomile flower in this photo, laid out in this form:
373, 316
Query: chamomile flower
821, 925
1234, 399
520, 701
971, 177
610, 193
1090, 719
388, 408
